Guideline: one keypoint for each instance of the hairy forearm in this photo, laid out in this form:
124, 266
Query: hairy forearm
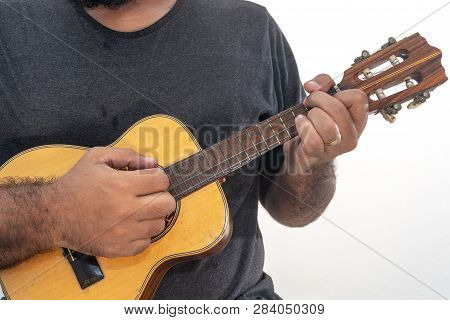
298, 199
26, 225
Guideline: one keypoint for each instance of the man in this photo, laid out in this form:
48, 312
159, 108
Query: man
81, 72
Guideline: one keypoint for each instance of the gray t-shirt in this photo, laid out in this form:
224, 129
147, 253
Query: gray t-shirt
66, 79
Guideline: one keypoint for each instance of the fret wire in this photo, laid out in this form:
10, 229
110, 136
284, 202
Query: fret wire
242, 147
213, 178
188, 160
291, 110
199, 163
234, 154
221, 152
173, 175
207, 162
206, 156
272, 146
206, 159
254, 145
185, 182
291, 117
196, 177
175, 178
285, 130
174, 189
259, 129
270, 125
232, 150
222, 158
178, 183
285, 126
227, 159
241, 162
258, 126
290, 125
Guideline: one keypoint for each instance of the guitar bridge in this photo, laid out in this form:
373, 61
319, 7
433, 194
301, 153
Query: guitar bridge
86, 268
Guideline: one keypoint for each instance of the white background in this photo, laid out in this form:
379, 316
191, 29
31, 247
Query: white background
393, 191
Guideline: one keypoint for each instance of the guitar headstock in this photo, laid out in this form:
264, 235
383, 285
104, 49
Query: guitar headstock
400, 71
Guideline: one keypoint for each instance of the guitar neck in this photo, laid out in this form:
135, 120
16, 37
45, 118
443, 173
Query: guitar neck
421, 63
231, 154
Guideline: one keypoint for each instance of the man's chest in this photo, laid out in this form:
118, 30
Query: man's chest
67, 97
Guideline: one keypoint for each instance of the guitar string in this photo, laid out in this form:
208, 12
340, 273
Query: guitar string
392, 74
243, 151
279, 116
239, 164
245, 161
199, 153
301, 105
225, 172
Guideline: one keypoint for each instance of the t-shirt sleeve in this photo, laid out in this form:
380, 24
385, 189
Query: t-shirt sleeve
288, 91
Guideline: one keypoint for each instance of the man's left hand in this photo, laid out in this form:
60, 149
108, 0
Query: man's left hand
331, 128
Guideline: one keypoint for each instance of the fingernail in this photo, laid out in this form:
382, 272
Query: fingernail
151, 161
300, 117
313, 84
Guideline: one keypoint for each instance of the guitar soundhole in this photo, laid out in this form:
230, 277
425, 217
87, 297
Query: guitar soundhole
170, 221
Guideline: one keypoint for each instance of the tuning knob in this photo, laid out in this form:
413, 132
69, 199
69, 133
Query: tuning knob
390, 42
419, 99
364, 55
389, 112
388, 117
394, 109
426, 95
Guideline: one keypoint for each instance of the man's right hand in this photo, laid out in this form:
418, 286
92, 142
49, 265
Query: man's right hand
102, 210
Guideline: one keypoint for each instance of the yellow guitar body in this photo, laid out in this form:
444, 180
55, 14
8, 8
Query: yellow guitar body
201, 226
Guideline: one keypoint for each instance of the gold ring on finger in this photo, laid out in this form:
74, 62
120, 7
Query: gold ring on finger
334, 142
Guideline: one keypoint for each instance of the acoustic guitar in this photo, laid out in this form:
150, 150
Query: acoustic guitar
201, 225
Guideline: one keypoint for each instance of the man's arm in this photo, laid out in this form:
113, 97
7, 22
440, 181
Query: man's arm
296, 200
26, 225
304, 187
94, 208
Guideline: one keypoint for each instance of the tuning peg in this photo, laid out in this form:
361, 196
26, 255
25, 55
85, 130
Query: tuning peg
364, 55
419, 99
394, 109
389, 112
390, 42
409, 83
388, 117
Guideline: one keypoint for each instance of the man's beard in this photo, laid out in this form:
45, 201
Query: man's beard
112, 4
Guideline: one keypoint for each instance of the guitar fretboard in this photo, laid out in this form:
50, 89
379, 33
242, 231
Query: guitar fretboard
232, 153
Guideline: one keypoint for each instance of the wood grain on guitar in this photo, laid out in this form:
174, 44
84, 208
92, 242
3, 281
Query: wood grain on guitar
421, 63
202, 225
